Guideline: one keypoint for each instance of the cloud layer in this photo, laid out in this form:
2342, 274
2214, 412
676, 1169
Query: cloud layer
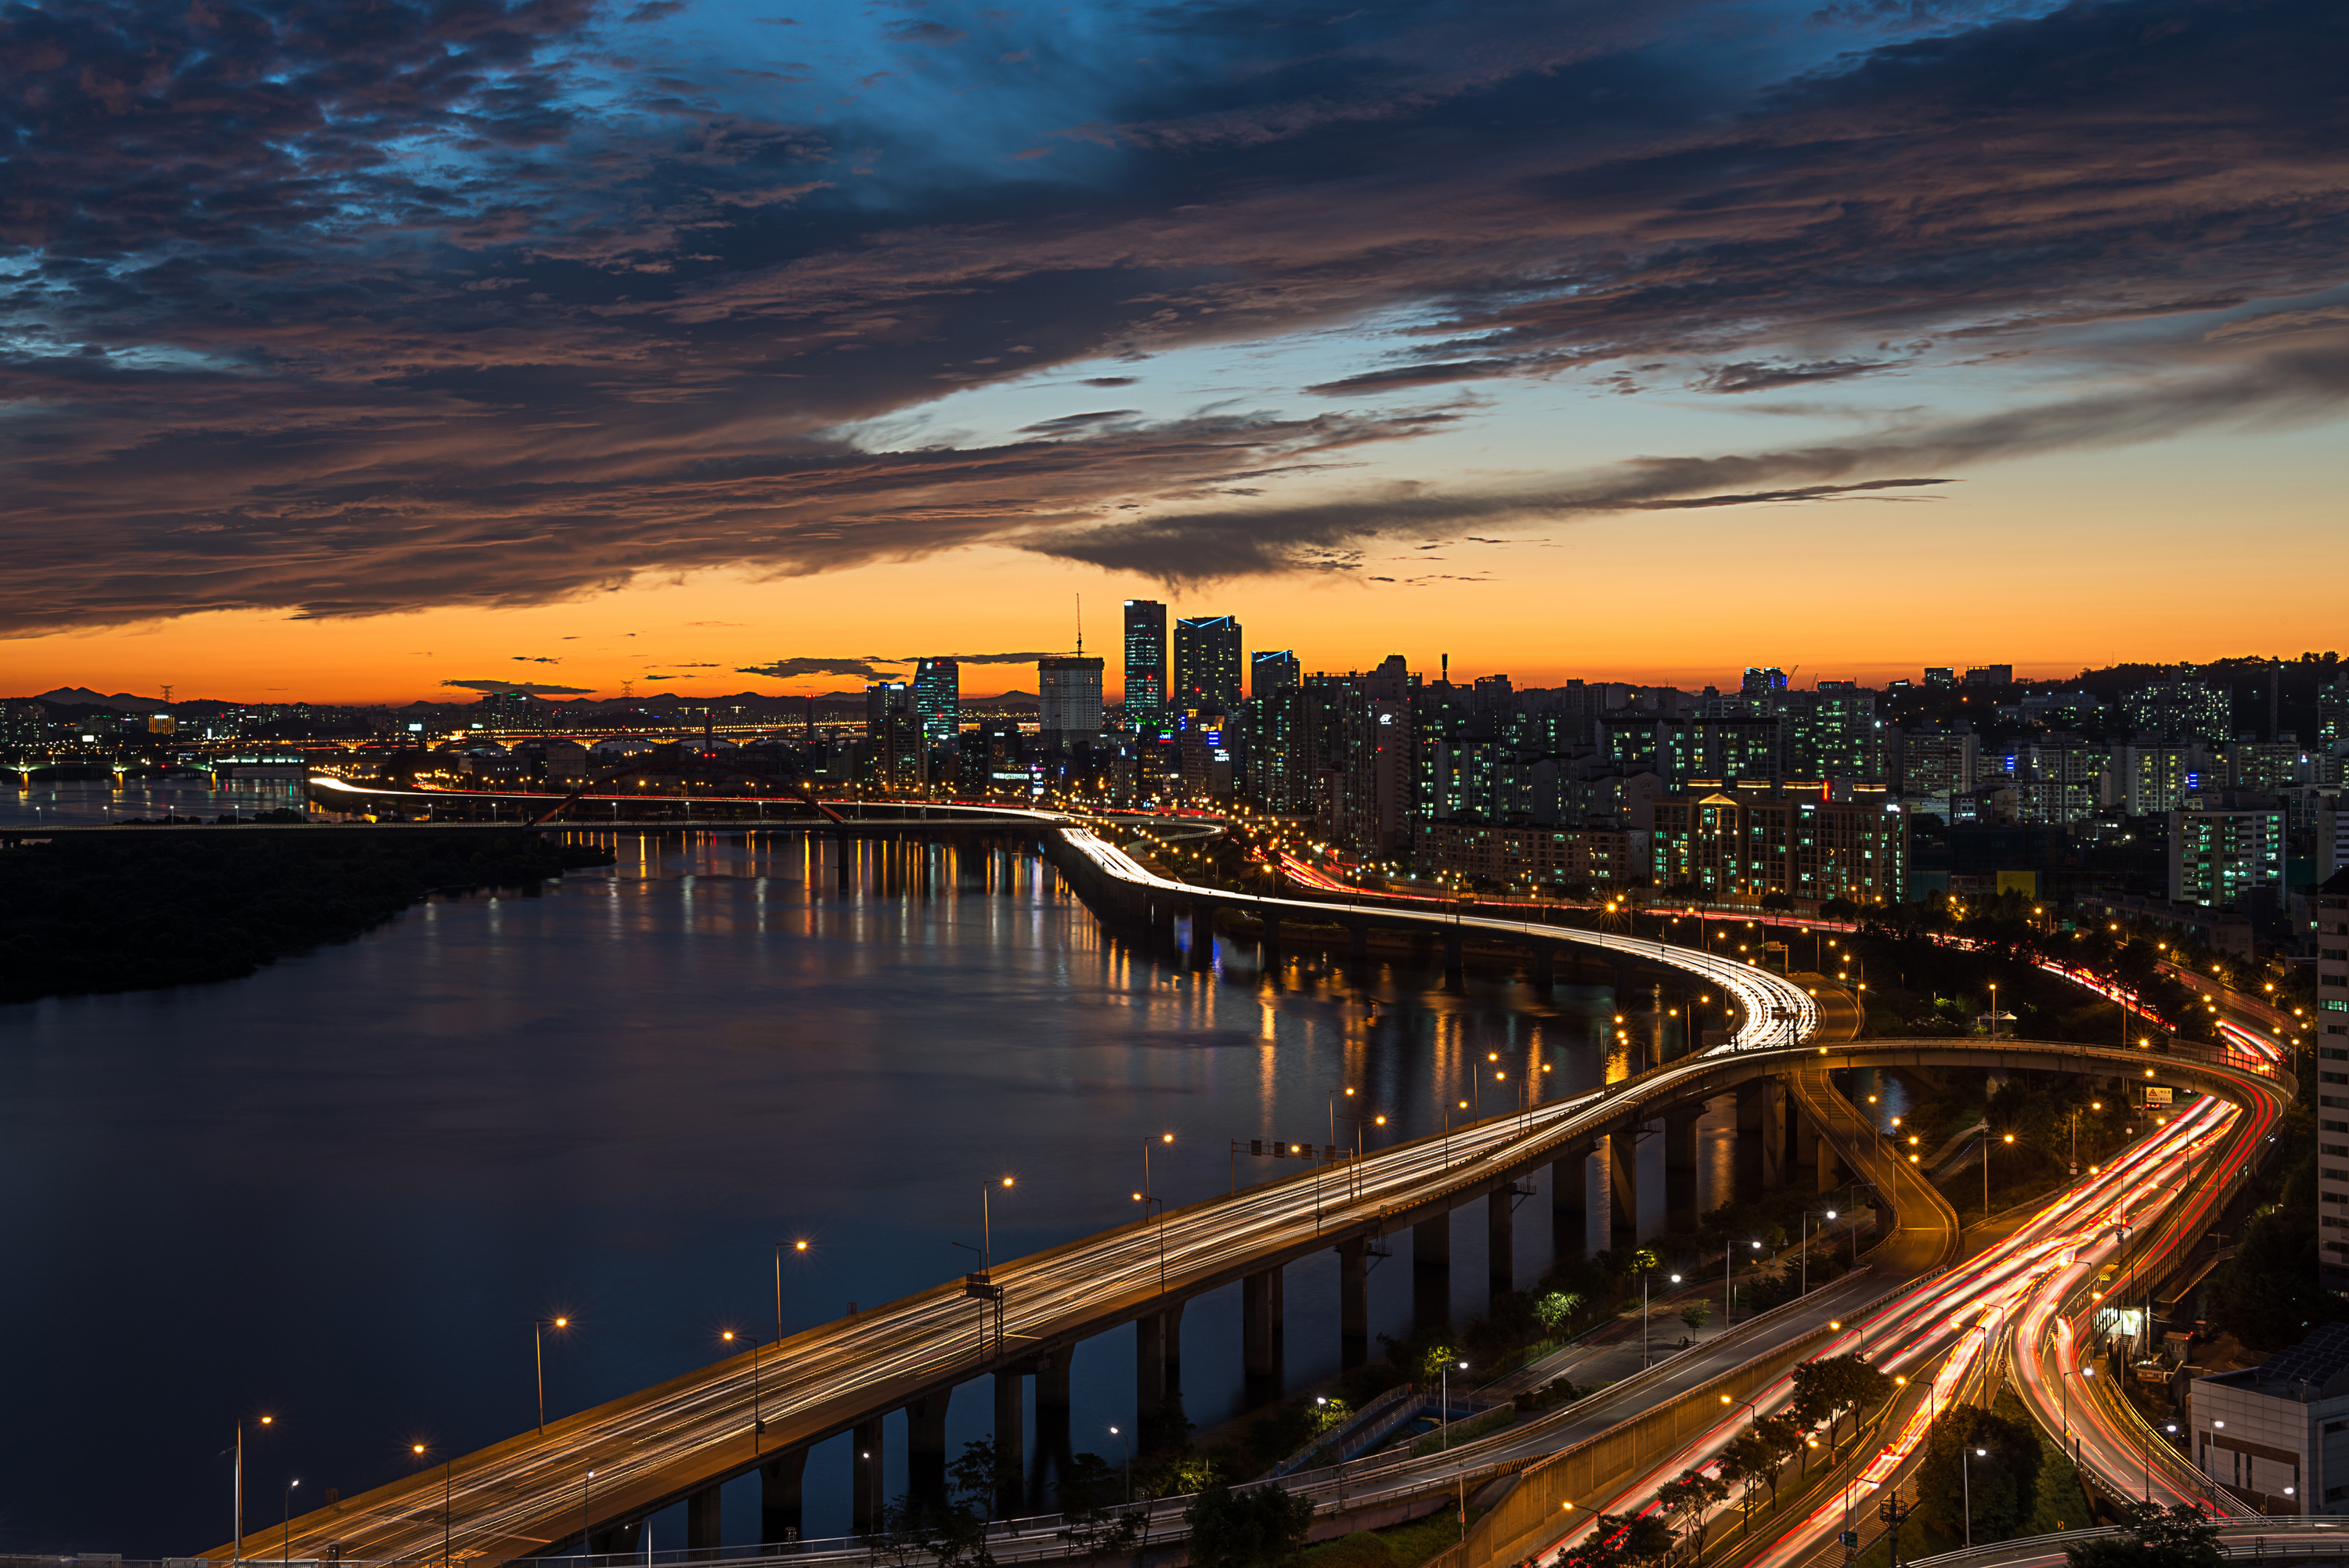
346, 309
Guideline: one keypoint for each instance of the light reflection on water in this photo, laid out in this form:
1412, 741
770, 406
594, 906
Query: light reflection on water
340, 1191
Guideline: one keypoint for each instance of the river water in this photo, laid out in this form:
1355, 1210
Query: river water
340, 1191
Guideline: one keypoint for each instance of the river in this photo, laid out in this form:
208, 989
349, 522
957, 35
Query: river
340, 1192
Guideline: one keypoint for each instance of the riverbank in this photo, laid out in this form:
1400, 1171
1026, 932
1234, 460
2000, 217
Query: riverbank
95, 912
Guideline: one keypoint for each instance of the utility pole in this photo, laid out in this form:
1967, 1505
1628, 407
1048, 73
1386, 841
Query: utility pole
1892, 1511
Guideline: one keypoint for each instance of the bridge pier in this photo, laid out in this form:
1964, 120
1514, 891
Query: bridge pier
1431, 1270
1680, 1166
1010, 1439
780, 1480
1358, 944
704, 1526
1268, 944
1804, 1158
926, 1447
1500, 1242
868, 1478
1569, 1204
1544, 967
1353, 1304
1622, 1189
1454, 968
1260, 1333
1053, 1448
1157, 1365
1830, 1165
1202, 954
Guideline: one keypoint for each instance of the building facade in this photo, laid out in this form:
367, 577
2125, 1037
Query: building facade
2331, 918
938, 700
2277, 1435
1602, 858
1272, 672
1146, 658
1206, 662
1068, 701
2226, 860
1736, 845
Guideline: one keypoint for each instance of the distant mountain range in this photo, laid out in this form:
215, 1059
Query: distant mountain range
129, 702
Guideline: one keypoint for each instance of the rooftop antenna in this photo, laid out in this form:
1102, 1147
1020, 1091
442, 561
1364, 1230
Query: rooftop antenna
1080, 626
1447, 667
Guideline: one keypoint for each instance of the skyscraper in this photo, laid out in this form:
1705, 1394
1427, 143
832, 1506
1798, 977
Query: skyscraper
1206, 662
938, 700
1272, 672
1146, 658
1069, 700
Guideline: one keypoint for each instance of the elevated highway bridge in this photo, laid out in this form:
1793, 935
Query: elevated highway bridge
760, 1411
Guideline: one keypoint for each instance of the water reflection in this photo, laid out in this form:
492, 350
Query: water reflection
341, 1191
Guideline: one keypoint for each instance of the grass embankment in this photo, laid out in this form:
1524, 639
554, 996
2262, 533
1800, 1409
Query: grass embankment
98, 913
1398, 1546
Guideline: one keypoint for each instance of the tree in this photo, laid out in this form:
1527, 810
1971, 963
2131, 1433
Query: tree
2176, 1537
1686, 1497
1617, 1539
1262, 1528
1747, 1461
1556, 1308
982, 1474
2003, 1477
1837, 1385
1092, 1523
1697, 1313
1782, 1439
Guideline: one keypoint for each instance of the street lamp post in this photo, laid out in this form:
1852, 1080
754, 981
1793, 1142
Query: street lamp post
285, 1539
1125, 1447
238, 1549
800, 1247
1966, 1457
1444, 1399
1806, 1250
584, 1482
538, 1328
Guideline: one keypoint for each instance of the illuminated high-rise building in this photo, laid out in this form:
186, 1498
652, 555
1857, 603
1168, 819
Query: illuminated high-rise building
1146, 658
938, 700
1069, 700
1206, 662
1272, 672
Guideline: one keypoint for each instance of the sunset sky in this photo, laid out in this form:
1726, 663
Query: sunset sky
722, 344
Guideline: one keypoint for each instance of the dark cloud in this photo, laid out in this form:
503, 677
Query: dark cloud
654, 10
530, 686
1068, 424
993, 658
344, 308
1112, 380
865, 668
1755, 376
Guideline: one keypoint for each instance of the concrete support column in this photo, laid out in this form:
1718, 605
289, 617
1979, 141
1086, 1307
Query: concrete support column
1010, 1436
926, 1447
1805, 1138
1622, 1189
1545, 968
868, 1477
1271, 942
1830, 1166
1053, 1446
1752, 1112
1149, 1365
1777, 1168
1431, 1270
1455, 966
1680, 1166
1358, 943
704, 1527
780, 1482
1500, 1241
1260, 1333
1353, 1304
1569, 1203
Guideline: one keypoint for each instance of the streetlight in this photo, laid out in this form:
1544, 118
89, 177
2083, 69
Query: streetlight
799, 1247
285, 1541
538, 1328
238, 1549
1806, 1250
1966, 1458
447, 1498
758, 1422
987, 1225
1127, 1449
1444, 1399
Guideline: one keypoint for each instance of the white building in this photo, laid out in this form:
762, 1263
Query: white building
2278, 1434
